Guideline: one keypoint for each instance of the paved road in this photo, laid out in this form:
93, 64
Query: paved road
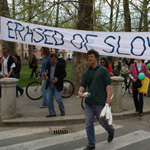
130, 134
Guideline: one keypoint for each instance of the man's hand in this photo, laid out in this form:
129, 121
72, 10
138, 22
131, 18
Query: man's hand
80, 92
109, 101
55, 80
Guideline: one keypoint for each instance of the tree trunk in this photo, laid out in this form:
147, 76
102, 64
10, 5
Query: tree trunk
127, 19
85, 22
4, 11
145, 12
30, 20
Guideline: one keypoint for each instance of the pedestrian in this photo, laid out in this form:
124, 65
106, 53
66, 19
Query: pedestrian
33, 65
135, 69
98, 81
7, 64
46, 53
17, 70
104, 62
116, 66
56, 74
148, 62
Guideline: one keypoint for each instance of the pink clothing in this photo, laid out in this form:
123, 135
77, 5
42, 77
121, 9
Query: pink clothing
133, 71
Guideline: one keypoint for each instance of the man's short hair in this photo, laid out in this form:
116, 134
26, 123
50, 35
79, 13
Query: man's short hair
92, 51
4, 48
54, 55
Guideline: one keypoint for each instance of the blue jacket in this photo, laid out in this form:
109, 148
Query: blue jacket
46, 60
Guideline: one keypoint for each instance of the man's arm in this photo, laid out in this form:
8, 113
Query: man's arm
108, 91
10, 72
80, 92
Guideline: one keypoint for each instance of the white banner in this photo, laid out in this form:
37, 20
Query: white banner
118, 44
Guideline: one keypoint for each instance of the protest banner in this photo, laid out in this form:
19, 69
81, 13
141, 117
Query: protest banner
116, 44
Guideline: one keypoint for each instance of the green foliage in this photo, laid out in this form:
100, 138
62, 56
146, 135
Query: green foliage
26, 71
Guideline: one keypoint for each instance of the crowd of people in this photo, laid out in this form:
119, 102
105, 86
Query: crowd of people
97, 78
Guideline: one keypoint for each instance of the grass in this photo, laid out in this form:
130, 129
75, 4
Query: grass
26, 71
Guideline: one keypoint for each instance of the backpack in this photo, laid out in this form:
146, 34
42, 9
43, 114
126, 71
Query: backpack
62, 61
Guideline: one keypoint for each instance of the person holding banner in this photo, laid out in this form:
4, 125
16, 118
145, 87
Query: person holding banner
134, 71
7, 64
98, 81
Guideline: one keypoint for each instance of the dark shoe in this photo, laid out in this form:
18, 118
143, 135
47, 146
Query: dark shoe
62, 113
21, 93
89, 147
148, 95
50, 116
140, 114
137, 110
110, 137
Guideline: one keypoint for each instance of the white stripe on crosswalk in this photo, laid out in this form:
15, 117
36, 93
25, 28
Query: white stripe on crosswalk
123, 141
22, 132
45, 142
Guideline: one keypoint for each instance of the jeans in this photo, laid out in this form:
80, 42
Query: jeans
43, 92
52, 91
90, 112
138, 103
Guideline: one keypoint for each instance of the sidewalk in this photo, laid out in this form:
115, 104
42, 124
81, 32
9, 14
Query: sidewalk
30, 113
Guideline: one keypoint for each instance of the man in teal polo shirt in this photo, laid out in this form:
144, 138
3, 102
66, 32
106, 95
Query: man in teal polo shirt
98, 81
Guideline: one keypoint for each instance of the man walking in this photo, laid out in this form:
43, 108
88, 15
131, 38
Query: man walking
98, 81
56, 74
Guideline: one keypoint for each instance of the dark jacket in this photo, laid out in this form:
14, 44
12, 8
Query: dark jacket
60, 73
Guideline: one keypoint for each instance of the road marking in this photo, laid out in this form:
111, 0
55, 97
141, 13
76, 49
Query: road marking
45, 142
122, 141
22, 132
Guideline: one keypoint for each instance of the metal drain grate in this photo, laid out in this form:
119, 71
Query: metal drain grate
59, 130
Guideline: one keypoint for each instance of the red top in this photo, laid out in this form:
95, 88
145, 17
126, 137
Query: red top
110, 69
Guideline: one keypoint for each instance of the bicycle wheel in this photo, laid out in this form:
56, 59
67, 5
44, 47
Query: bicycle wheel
129, 88
82, 103
68, 89
123, 88
33, 90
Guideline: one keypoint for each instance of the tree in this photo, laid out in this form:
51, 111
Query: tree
127, 19
85, 22
4, 11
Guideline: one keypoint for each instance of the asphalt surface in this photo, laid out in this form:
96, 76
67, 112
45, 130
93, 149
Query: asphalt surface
30, 113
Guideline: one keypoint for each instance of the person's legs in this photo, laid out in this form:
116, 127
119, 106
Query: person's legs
140, 103
89, 118
32, 73
50, 104
43, 92
135, 98
59, 100
103, 121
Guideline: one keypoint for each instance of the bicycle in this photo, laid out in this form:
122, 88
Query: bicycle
126, 85
33, 89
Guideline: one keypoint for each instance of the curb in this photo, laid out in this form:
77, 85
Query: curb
64, 120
